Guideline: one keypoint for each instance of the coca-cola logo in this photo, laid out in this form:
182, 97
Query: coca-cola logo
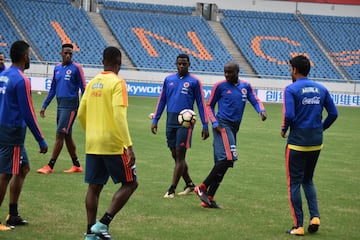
311, 101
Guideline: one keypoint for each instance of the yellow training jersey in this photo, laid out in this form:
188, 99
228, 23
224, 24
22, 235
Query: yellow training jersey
103, 115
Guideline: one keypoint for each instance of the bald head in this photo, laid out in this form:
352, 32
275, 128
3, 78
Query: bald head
232, 64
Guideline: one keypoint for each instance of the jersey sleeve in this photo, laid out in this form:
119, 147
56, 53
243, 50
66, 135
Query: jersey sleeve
27, 109
331, 110
254, 99
81, 77
120, 104
288, 109
213, 99
200, 101
82, 110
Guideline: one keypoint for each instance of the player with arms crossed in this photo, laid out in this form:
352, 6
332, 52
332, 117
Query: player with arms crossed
304, 101
179, 92
231, 95
109, 151
16, 114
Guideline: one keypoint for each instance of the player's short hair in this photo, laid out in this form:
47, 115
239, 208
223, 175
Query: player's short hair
18, 50
183, 55
234, 64
301, 63
67, 45
111, 55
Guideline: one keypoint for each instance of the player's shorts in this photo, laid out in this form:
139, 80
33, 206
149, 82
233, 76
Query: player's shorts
99, 168
65, 120
66, 114
178, 137
12, 158
224, 145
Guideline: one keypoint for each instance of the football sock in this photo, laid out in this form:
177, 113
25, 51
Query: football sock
106, 219
171, 189
88, 231
75, 161
190, 184
13, 209
52, 163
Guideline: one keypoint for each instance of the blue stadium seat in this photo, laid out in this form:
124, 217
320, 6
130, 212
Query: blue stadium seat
163, 37
340, 35
185, 10
44, 23
269, 40
8, 34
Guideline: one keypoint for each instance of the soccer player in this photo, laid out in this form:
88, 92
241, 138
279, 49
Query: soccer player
16, 114
109, 151
231, 96
2, 62
304, 101
179, 91
67, 80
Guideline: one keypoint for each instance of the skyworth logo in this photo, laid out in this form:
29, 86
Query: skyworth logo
153, 90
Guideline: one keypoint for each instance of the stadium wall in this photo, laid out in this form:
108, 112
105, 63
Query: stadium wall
269, 6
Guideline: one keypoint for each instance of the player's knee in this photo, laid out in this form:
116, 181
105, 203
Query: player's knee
135, 185
25, 170
132, 185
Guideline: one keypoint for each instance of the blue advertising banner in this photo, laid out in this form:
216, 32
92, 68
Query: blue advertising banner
270, 96
154, 89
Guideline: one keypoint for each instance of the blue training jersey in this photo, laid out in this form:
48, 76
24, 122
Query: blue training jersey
180, 93
66, 82
303, 105
16, 109
231, 100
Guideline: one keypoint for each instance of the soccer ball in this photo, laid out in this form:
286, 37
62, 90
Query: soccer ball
187, 118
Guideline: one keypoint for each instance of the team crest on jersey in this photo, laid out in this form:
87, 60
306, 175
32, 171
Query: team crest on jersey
68, 75
244, 94
185, 88
186, 84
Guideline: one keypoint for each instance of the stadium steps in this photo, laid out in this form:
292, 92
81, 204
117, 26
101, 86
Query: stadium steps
109, 37
20, 32
321, 45
232, 48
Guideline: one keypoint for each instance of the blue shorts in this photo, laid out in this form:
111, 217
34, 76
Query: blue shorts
178, 137
65, 120
12, 158
99, 168
66, 114
224, 145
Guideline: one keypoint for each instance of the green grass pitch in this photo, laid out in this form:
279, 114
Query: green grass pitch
253, 194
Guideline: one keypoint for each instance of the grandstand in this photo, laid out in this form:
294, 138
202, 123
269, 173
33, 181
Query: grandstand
266, 34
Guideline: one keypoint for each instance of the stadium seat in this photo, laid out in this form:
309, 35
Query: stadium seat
276, 37
154, 40
46, 27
